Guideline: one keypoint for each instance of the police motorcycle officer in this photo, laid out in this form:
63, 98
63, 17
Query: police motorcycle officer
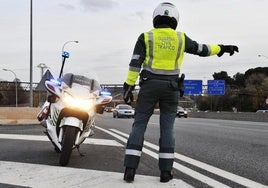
156, 60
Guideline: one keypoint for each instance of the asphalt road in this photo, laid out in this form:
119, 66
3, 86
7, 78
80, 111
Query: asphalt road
209, 152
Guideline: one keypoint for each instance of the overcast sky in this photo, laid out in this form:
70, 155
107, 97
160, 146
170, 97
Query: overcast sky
107, 31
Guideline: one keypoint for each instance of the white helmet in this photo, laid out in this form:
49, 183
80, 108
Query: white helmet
166, 10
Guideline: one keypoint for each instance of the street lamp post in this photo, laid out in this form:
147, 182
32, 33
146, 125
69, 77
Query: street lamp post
42, 66
65, 55
76, 41
31, 53
16, 85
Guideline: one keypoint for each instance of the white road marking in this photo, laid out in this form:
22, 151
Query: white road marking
104, 142
233, 177
44, 176
116, 134
177, 166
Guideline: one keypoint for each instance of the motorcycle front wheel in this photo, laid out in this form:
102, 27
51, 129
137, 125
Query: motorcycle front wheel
68, 141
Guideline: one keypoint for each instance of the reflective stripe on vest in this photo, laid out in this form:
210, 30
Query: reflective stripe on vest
164, 51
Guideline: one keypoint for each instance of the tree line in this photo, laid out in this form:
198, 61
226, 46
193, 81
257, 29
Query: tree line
246, 92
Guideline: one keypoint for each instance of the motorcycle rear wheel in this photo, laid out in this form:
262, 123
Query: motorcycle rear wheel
67, 144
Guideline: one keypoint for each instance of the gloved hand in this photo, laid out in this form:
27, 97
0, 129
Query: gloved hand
231, 49
128, 96
181, 85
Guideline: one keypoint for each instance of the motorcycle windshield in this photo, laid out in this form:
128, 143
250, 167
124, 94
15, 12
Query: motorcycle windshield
69, 79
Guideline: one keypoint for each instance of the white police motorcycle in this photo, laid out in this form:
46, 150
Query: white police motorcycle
69, 113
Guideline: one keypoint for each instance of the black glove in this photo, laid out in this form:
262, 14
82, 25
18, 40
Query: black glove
181, 85
231, 49
128, 96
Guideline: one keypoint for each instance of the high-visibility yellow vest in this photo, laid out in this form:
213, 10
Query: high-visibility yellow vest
164, 51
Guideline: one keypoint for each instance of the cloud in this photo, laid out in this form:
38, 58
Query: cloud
67, 6
93, 5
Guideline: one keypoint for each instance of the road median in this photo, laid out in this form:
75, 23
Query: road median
18, 115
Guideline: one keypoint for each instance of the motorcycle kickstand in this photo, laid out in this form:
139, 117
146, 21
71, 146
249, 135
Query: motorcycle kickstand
80, 153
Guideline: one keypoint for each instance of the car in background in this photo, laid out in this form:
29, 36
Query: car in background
181, 112
123, 110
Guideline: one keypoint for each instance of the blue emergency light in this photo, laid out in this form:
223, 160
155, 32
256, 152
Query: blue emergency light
65, 54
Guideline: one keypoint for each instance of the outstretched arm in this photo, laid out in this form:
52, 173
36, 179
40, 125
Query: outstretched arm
204, 50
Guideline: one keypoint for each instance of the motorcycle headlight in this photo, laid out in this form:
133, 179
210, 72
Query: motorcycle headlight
72, 102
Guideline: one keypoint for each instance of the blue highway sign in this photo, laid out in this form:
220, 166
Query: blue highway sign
216, 87
192, 87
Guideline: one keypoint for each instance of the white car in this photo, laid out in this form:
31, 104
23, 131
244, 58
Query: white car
123, 110
181, 112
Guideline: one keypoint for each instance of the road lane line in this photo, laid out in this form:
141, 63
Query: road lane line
190, 172
183, 169
233, 177
104, 142
112, 134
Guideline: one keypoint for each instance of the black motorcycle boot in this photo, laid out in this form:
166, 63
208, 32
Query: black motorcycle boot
166, 176
129, 174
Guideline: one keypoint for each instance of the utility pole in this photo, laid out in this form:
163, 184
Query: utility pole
31, 54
